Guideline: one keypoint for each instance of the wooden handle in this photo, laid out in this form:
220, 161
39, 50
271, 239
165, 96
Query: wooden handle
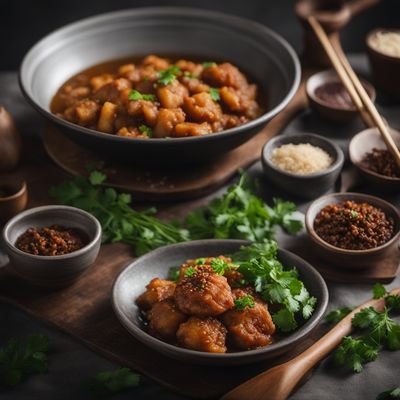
277, 383
357, 6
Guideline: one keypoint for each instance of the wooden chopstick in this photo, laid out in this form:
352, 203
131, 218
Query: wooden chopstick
357, 92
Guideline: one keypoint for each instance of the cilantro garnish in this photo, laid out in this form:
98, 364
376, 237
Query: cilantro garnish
119, 221
214, 93
376, 329
173, 274
20, 359
391, 394
190, 75
245, 301
337, 315
260, 266
219, 265
146, 130
200, 261
354, 214
168, 75
239, 214
190, 271
136, 95
209, 64
110, 382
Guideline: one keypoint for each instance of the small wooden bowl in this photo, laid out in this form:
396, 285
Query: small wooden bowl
385, 69
15, 198
363, 143
336, 114
343, 258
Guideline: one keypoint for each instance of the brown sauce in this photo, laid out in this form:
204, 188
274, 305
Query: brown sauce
159, 97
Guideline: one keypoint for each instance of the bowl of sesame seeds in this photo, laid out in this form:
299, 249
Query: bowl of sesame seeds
353, 229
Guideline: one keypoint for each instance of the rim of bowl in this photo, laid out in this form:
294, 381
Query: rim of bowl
297, 335
324, 76
37, 210
233, 21
338, 163
359, 197
359, 164
15, 195
386, 56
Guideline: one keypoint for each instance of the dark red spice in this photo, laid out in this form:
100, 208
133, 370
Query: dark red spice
335, 95
382, 162
51, 241
353, 226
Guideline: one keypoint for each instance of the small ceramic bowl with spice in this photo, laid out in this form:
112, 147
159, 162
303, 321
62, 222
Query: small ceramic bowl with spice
376, 165
329, 98
304, 165
51, 246
353, 230
383, 49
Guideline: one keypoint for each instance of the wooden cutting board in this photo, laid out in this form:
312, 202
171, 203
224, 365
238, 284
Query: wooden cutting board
160, 184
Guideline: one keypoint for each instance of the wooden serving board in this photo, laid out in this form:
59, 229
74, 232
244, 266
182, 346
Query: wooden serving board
159, 184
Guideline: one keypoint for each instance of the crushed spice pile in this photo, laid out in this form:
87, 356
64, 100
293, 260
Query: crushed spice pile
354, 226
382, 162
51, 241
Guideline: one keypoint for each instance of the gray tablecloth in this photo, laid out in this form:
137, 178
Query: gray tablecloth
71, 364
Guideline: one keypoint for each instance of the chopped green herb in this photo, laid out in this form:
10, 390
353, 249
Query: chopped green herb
259, 265
391, 394
393, 301
18, 360
168, 75
136, 95
209, 64
337, 315
219, 266
190, 75
379, 291
110, 382
200, 261
214, 93
354, 214
119, 221
245, 301
190, 271
146, 130
239, 214
173, 273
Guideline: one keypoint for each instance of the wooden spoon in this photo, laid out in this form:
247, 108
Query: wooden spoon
277, 383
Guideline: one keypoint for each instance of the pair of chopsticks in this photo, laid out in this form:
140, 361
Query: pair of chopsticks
357, 92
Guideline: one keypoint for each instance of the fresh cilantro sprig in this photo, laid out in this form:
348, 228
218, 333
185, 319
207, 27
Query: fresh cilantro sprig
391, 394
239, 214
167, 76
377, 330
146, 130
337, 315
214, 93
20, 359
136, 95
245, 301
119, 221
111, 382
260, 266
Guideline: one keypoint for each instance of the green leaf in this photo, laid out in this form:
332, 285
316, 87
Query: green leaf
111, 382
214, 93
284, 320
393, 301
97, 178
190, 271
379, 291
337, 315
209, 64
245, 301
308, 308
174, 273
136, 95
168, 75
393, 337
146, 130
391, 394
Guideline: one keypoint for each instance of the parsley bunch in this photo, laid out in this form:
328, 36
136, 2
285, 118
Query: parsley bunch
18, 360
378, 330
260, 266
119, 221
111, 382
239, 214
